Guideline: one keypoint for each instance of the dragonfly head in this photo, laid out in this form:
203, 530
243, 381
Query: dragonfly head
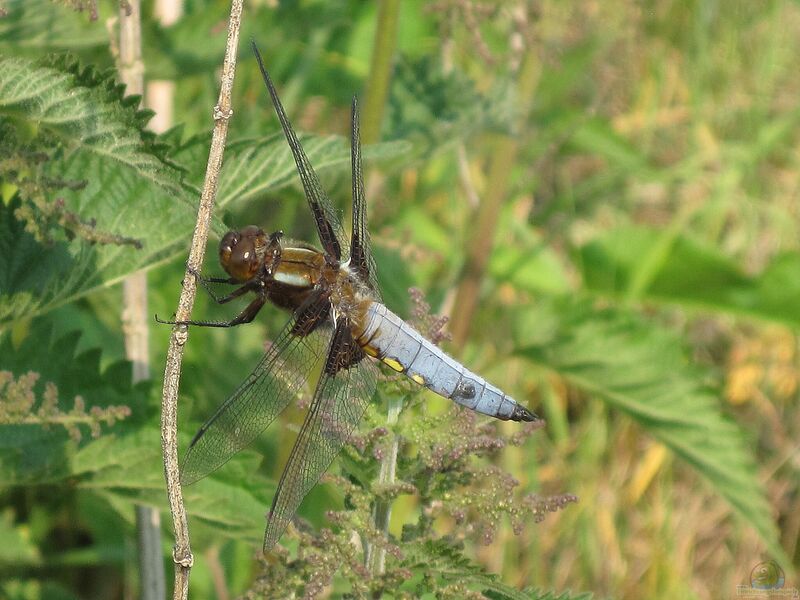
242, 252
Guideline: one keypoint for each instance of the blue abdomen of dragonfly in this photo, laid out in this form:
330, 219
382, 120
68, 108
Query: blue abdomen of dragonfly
391, 340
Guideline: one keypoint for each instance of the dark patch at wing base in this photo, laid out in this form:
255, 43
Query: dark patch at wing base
345, 352
310, 317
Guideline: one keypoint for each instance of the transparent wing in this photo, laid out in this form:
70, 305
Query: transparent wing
361, 259
331, 233
276, 380
345, 388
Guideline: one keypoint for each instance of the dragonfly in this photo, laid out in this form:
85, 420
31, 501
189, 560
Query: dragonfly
339, 328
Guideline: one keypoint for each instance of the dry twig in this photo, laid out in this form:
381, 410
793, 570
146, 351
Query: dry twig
182, 554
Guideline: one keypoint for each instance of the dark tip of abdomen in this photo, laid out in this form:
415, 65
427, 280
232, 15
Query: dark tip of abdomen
523, 414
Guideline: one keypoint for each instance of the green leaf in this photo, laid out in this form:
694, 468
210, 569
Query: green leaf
124, 465
29, 589
445, 563
40, 25
692, 274
255, 166
534, 268
128, 470
108, 172
597, 137
36, 453
394, 278
84, 109
642, 370
233, 501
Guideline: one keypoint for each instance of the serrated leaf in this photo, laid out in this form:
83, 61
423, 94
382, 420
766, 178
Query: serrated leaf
92, 135
35, 277
434, 109
83, 110
642, 370
445, 562
233, 506
130, 461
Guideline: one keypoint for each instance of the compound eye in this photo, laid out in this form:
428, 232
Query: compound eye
226, 246
230, 239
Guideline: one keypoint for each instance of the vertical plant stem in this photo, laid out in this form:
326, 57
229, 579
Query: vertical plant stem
480, 244
182, 554
160, 93
152, 578
135, 319
380, 70
131, 68
382, 509
158, 96
376, 92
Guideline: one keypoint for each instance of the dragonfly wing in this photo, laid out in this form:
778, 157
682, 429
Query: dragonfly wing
277, 379
347, 384
361, 259
331, 233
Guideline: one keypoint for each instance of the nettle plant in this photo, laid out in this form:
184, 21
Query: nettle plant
449, 461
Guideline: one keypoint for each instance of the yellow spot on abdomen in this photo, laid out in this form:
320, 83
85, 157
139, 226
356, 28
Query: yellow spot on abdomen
393, 363
371, 351
418, 378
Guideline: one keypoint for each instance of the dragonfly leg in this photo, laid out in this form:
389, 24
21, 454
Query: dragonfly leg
200, 277
233, 295
248, 314
205, 281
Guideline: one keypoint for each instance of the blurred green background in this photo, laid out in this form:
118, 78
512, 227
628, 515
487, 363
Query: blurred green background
603, 199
